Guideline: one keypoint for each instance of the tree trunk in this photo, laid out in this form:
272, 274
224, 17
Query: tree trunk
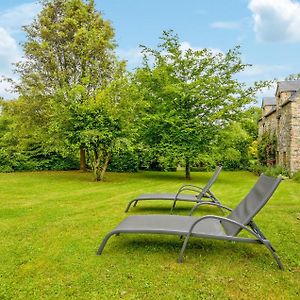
96, 166
82, 159
187, 169
107, 160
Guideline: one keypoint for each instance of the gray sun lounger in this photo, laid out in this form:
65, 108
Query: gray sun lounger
209, 226
200, 193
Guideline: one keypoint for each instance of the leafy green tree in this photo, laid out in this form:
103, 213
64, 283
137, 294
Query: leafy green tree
232, 146
68, 58
24, 150
104, 123
74, 91
191, 95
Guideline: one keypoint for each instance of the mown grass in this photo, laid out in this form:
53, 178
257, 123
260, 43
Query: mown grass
51, 224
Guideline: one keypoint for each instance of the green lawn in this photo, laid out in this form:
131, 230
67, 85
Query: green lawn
51, 224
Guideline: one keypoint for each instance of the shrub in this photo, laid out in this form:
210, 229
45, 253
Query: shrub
124, 161
273, 171
277, 171
36, 161
266, 149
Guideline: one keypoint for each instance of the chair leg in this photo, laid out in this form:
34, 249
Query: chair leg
129, 204
272, 251
173, 206
103, 243
135, 203
180, 258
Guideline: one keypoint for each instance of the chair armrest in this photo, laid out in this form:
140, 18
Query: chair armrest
208, 203
190, 186
226, 220
189, 189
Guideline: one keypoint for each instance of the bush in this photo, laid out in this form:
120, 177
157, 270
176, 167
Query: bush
270, 171
33, 161
267, 146
124, 161
277, 171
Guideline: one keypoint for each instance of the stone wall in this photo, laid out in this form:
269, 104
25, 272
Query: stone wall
284, 116
267, 124
285, 123
266, 109
283, 96
295, 135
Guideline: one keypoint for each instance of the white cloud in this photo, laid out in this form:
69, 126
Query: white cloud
11, 22
225, 25
18, 16
9, 53
276, 20
8, 47
184, 46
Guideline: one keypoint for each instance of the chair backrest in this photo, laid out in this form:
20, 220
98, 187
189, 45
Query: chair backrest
252, 203
211, 180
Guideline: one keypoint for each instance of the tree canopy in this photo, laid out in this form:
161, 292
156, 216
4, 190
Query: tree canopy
192, 94
69, 63
180, 104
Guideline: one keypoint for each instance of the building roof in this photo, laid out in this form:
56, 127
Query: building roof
287, 86
268, 101
295, 96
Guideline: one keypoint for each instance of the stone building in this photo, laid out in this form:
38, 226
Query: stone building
281, 116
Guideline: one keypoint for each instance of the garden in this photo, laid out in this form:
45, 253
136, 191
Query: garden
85, 136
53, 222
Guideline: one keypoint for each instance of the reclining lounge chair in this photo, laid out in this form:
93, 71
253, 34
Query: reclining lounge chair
200, 193
209, 226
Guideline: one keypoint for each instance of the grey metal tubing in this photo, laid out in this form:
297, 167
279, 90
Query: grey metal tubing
129, 204
208, 203
103, 243
256, 229
263, 241
201, 195
213, 197
188, 189
178, 193
190, 186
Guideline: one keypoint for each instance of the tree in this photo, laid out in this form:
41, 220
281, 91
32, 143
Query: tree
21, 149
68, 58
103, 123
191, 95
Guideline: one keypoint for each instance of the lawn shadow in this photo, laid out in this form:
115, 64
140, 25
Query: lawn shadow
139, 243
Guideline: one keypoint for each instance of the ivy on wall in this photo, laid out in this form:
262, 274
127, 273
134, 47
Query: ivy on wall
267, 146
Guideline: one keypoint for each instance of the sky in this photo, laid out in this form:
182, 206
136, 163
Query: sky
268, 31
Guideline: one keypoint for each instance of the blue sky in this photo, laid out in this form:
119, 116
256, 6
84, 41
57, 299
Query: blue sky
267, 30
